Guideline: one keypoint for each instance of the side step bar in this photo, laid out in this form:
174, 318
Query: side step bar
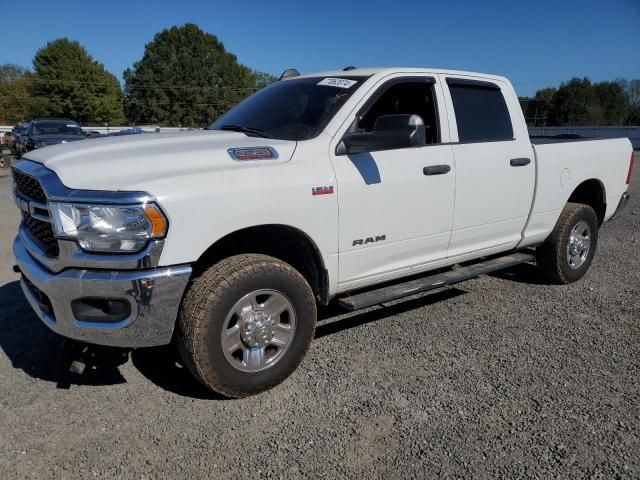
432, 282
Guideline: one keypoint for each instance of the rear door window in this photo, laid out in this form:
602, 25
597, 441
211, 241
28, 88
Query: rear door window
481, 111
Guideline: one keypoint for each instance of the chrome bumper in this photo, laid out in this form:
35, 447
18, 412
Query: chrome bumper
153, 296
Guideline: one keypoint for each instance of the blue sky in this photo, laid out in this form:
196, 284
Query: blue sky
535, 43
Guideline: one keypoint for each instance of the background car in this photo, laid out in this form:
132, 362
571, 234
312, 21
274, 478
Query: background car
6, 140
128, 131
95, 134
16, 132
45, 132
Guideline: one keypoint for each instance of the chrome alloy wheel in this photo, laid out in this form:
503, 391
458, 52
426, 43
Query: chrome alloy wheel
258, 330
579, 244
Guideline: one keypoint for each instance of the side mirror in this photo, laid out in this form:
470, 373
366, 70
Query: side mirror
389, 132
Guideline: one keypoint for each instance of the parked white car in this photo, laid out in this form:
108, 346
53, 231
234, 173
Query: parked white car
333, 185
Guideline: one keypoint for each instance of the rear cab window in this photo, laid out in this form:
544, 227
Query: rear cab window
481, 111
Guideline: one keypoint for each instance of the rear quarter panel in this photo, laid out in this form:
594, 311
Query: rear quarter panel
562, 167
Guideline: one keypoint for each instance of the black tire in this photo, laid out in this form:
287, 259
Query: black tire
552, 258
209, 300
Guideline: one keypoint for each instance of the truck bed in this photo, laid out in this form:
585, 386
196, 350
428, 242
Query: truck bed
563, 164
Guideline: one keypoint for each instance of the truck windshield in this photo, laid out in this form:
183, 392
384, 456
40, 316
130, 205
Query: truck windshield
56, 128
296, 109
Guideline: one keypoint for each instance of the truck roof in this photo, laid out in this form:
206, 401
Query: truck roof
369, 71
36, 120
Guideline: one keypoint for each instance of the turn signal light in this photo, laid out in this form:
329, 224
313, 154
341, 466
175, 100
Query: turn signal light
158, 223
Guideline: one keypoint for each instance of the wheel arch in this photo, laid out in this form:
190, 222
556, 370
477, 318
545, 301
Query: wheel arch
591, 192
285, 242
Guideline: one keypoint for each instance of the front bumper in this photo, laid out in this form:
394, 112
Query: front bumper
153, 296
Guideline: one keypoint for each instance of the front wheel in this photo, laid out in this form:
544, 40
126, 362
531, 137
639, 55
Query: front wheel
568, 252
245, 324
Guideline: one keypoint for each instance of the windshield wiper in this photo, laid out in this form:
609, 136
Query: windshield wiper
244, 129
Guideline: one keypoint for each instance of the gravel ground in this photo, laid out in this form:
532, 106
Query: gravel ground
503, 376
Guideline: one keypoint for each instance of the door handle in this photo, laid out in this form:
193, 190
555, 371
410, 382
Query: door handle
519, 162
436, 170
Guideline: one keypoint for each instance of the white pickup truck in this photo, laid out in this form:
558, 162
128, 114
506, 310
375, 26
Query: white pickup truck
352, 185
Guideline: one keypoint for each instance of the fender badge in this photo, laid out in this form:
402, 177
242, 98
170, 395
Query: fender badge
322, 190
252, 153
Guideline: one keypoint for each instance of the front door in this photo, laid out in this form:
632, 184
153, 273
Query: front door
395, 211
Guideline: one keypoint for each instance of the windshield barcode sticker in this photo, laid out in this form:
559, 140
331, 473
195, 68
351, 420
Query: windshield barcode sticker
337, 82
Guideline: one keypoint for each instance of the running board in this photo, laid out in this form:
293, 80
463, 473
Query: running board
432, 282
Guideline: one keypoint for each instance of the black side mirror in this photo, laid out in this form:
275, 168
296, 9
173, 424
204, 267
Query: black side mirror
389, 132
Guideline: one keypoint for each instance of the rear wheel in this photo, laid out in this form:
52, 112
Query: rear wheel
245, 324
568, 252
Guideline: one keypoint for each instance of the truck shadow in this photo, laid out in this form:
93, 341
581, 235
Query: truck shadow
44, 355
163, 367
523, 273
40, 353
367, 167
334, 319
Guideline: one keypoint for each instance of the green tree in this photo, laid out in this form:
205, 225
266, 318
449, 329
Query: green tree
536, 109
263, 79
10, 72
544, 100
186, 77
613, 103
575, 103
68, 82
631, 90
580, 102
14, 95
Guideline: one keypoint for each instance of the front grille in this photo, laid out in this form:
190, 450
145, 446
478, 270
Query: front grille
28, 186
42, 232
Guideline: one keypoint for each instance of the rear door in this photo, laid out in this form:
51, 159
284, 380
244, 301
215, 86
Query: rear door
495, 170
393, 215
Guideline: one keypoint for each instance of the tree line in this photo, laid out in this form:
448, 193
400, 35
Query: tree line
580, 102
187, 78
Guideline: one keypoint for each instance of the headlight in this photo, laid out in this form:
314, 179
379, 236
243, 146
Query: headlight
108, 228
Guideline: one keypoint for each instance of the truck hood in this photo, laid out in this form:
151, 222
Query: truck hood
116, 163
